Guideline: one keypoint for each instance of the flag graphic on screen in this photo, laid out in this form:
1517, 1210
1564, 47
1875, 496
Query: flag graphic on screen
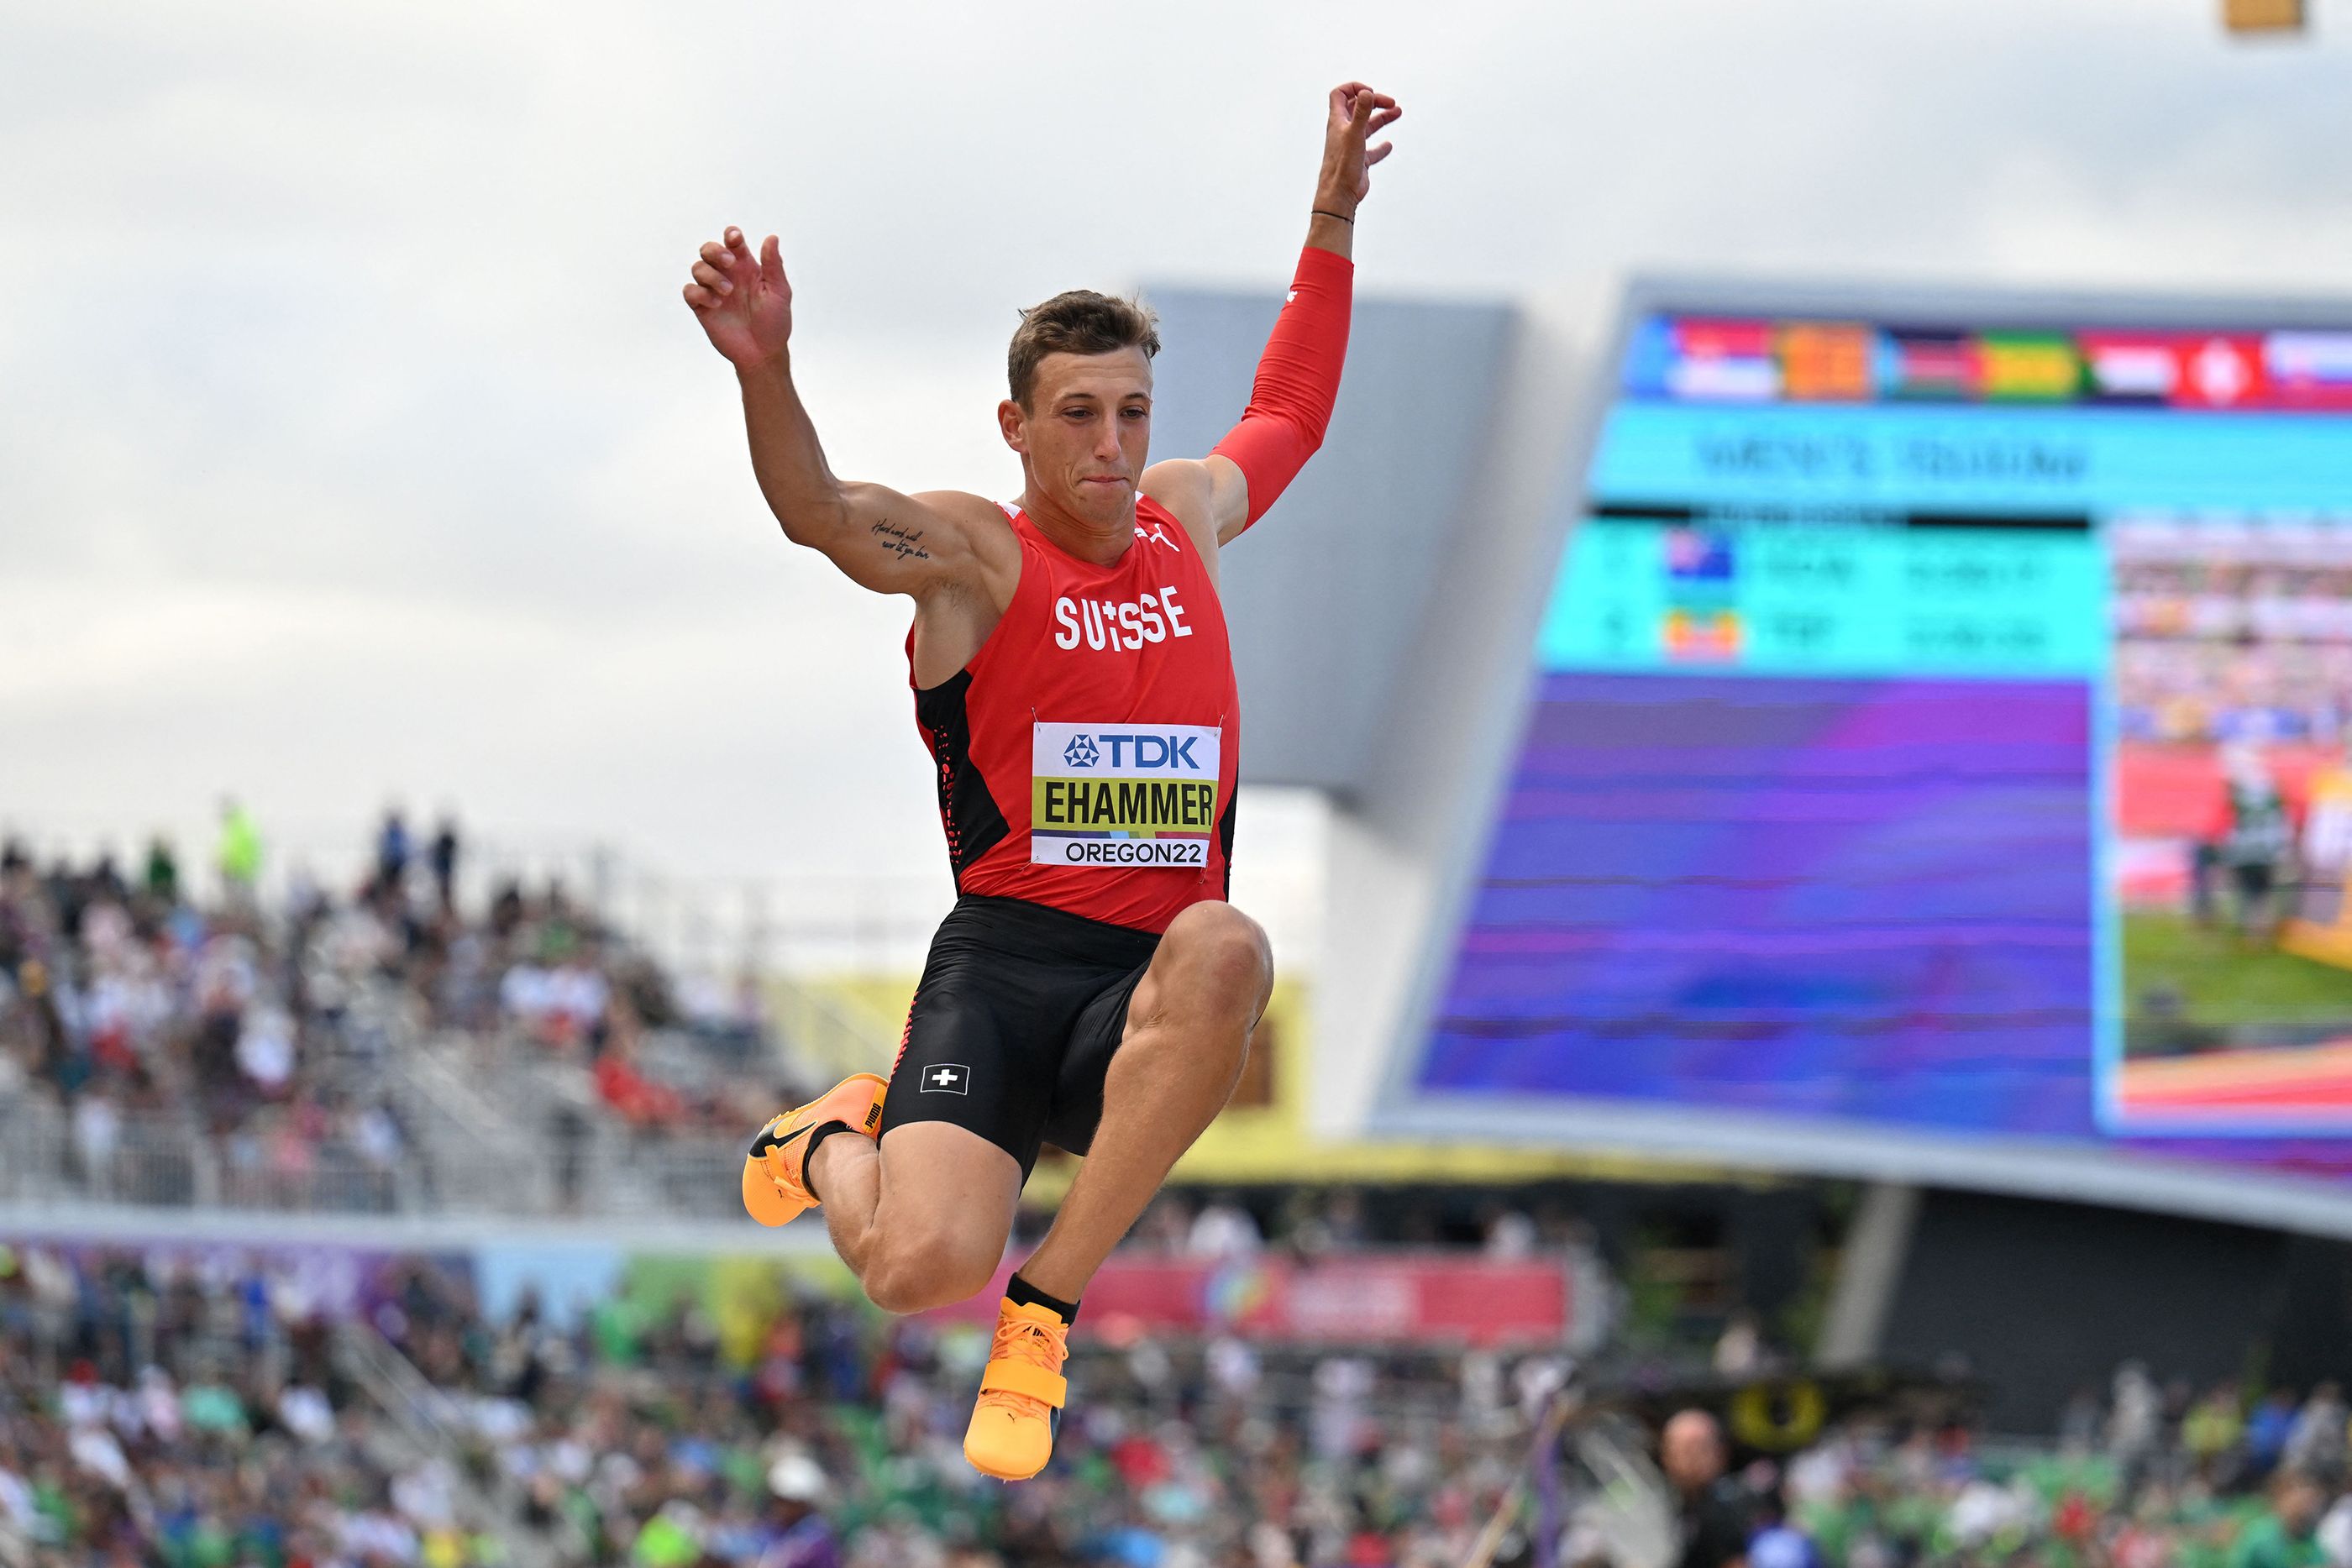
1723, 361
2028, 367
1698, 634
1826, 361
2309, 369
1694, 555
1931, 366
2224, 371
2135, 368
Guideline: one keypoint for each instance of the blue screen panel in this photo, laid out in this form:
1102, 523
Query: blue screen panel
1867, 898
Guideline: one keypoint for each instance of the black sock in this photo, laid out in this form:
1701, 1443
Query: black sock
817, 1134
1022, 1293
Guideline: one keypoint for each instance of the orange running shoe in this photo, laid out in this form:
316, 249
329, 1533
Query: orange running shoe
1020, 1395
775, 1173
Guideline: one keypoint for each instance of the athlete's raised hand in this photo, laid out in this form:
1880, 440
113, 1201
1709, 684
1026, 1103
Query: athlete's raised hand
743, 301
1357, 113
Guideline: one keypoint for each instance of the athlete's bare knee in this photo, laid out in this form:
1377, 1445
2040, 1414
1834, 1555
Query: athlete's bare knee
1220, 956
926, 1268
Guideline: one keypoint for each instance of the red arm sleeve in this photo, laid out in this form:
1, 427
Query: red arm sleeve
1298, 380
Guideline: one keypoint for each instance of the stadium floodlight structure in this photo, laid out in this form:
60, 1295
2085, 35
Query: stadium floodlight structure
1776, 737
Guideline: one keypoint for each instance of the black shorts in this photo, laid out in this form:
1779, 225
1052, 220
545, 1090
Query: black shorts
1013, 1028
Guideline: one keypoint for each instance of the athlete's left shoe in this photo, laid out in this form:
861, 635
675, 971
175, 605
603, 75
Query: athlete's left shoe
775, 1173
1020, 1395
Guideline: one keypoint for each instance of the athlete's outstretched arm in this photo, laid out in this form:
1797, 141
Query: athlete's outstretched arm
884, 540
1299, 375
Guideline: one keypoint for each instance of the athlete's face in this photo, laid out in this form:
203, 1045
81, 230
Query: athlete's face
1084, 435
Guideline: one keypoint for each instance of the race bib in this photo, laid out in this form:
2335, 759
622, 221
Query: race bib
1122, 794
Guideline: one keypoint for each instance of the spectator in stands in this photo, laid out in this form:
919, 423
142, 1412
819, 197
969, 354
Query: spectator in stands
636, 1099
2214, 1432
1223, 1229
162, 873
2315, 1447
1510, 1233
2135, 1423
392, 849
1715, 1524
2267, 1430
797, 1535
238, 857
1776, 1543
2286, 1536
444, 857
1740, 1351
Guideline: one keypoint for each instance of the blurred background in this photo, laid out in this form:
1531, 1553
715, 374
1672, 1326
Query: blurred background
1798, 767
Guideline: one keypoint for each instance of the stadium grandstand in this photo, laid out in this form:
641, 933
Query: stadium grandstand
382, 1225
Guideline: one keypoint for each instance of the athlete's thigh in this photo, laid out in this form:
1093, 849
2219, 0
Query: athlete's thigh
1085, 1064
1211, 964
969, 1062
947, 1194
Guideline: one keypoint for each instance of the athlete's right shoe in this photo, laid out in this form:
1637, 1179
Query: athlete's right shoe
775, 1173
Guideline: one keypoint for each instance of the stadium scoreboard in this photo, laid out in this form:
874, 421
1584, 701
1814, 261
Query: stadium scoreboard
1928, 721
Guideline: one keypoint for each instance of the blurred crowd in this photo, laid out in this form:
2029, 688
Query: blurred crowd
136, 1002
2148, 1476
2233, 634
195, 1412
205, 1412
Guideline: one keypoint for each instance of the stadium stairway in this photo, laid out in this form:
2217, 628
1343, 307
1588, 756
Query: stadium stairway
431, 1430
510, 1129
470, 1152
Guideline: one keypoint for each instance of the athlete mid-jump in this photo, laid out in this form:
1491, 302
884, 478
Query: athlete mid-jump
1091, 988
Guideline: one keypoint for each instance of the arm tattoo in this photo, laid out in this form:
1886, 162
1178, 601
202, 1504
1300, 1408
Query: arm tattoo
905, 543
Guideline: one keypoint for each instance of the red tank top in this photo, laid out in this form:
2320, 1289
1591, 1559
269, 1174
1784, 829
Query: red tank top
1086, 756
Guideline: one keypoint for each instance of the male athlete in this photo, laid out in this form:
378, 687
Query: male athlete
1072, 680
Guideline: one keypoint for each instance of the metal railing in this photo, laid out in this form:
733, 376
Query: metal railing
573, 1162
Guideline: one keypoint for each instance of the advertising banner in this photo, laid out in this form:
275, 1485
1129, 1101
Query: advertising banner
1361, 1298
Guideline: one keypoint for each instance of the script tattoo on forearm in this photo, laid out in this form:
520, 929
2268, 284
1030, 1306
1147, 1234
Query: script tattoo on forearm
905, 543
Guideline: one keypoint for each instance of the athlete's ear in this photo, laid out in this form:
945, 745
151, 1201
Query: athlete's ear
1012, 423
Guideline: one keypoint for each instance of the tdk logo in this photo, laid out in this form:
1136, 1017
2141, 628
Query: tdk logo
1134, 751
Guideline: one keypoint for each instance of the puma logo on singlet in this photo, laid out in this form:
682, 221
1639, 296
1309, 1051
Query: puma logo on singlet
1111, 623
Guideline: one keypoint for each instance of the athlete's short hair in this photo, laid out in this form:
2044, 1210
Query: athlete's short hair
1077, 321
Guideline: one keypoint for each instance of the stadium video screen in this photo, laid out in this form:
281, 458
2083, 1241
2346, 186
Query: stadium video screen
1940, 724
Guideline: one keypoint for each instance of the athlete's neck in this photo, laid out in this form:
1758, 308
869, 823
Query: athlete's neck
1101, 543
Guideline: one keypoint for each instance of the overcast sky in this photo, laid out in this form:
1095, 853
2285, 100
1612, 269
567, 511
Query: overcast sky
358, 447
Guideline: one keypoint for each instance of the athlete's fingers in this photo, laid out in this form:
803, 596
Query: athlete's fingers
742, 252
1374, 154
699, 297
1360, 111
771, 261
713, 279
716, 253
1384, 118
